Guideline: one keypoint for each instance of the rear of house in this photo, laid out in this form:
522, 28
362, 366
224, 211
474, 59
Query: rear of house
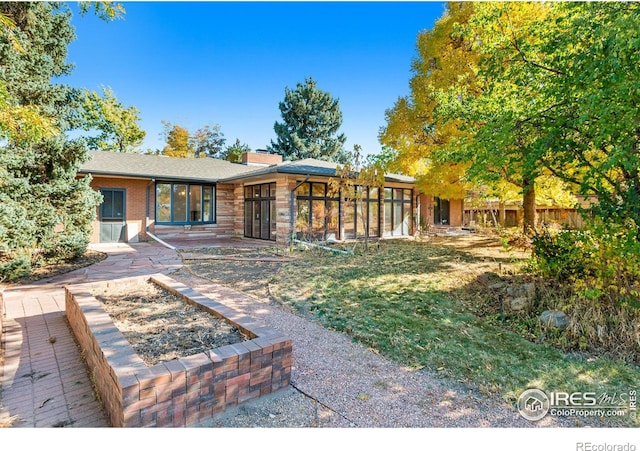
262, 198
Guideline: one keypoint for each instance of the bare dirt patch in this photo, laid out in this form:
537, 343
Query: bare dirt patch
161, 326
248, 270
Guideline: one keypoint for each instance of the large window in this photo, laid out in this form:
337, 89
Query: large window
318, 212
260, 211
185, 203
397, 211
362, 214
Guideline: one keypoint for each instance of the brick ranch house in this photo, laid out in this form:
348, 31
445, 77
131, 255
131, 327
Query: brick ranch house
263, 198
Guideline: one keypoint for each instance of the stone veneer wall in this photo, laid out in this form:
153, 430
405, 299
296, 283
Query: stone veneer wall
284, 186
227, 216
177, 392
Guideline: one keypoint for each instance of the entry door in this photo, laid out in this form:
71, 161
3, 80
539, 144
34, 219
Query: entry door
440, 211
113, 221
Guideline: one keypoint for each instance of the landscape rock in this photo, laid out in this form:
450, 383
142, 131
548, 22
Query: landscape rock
554, 319
530, 290
497, 285
518, 304
526, 290
489, 279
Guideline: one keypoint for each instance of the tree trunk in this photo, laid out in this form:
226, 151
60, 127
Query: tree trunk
501, 214
341, 215
529, 205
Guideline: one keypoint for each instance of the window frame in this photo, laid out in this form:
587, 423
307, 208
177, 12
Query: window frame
310, 197
406, 210
366, 201
255, 195
189, 185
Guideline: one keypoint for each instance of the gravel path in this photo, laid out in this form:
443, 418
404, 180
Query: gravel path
339, 383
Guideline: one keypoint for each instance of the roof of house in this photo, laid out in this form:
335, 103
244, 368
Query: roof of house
310, 166
160, 167
202, 169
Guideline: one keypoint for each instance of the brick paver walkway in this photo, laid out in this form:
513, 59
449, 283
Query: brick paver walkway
44, 381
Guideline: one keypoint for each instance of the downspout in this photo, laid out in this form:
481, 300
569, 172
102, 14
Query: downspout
151, 182
291, 205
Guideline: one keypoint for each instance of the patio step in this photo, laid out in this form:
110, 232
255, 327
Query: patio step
449, 231
193, 232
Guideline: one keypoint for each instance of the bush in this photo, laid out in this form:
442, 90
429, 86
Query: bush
563, 255
15, 267
601, 267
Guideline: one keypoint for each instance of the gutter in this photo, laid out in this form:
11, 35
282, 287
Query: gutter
152, 181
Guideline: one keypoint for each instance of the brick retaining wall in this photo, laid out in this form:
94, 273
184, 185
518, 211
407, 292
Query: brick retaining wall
177, 392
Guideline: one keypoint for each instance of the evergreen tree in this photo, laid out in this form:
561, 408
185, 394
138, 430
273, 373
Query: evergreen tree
311, 119
45, 211
234, 152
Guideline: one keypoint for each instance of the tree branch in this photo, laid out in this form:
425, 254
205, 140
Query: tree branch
523, 56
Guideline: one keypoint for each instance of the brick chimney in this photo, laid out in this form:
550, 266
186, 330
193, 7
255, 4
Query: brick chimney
260, 158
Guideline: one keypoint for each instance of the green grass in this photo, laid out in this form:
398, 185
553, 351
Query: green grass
400, 301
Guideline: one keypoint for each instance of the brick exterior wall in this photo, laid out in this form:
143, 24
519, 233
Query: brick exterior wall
229, 211
260, 158
178, 392
225, 211
238, 205
136, 206
425, 215
456, 212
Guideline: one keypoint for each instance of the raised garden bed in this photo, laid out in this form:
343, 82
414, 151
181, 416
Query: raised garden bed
191, 387
160, 325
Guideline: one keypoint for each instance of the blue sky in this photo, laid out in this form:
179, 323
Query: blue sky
228, 63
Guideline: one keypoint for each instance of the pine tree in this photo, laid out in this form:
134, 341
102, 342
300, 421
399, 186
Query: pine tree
311, 119
234, 152
45, 211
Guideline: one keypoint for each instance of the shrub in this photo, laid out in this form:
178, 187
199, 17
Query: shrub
15, 267
563, 255
601, 267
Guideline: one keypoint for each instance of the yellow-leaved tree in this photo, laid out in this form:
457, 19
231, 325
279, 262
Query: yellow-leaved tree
439, 133
412, 130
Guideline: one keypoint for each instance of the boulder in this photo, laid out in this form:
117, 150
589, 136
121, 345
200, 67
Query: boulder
554, 319
518, 304
526, 290
497, 285
530, 290
489, 278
